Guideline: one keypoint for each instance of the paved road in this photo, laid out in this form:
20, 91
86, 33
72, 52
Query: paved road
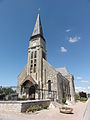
87, 112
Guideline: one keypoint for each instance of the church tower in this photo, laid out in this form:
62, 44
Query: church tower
36, 53
39, 74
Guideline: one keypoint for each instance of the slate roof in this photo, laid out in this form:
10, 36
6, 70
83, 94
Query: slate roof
38, 27
63, 71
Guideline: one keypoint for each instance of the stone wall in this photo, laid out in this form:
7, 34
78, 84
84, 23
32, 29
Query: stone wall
10, 106
63, 88
58, 82
59, 88
49, 73
20, 106
72, 87
21, 77
26, 104
70, 78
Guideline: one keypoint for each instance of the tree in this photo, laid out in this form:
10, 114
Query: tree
6, 91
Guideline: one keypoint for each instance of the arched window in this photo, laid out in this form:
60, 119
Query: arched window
31, 55
31, 68
34, 68
35, 61
45, 76
35, 54
43, 55
49, 85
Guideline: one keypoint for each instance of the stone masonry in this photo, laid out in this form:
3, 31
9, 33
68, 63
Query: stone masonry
39, 80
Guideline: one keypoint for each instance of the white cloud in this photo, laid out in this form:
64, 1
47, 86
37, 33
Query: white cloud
68, 30
74, 39
84, 81
89, 87
79, 89
63, 49
79, 78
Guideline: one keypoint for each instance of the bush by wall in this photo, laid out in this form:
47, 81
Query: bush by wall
64, 100
36, 108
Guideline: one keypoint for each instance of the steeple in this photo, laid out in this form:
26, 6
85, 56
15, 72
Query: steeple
38, 27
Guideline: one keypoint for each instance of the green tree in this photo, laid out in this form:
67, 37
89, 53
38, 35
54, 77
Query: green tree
6, 91
77, 96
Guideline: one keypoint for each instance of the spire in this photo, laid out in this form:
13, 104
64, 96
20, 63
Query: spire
38, 27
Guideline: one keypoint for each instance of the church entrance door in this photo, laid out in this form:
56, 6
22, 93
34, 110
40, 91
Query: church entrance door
32, 93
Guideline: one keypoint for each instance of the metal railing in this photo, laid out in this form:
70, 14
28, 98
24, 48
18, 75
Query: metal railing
43, 93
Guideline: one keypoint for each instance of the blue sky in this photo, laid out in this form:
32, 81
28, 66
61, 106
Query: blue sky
66, 27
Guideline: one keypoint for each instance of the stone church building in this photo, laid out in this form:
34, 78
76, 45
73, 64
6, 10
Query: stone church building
38, 79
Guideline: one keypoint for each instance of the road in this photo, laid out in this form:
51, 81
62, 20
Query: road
87, 112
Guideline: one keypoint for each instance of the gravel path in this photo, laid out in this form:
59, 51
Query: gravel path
50, 114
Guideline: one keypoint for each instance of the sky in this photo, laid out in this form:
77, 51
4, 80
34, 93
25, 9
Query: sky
66, 28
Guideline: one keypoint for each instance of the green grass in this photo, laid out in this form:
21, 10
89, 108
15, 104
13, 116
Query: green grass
82, 99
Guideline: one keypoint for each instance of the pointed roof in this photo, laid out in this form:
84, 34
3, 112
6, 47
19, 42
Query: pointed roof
63, 71
38, 27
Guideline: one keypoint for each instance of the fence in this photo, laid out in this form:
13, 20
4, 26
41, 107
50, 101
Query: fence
46, 94
9, 93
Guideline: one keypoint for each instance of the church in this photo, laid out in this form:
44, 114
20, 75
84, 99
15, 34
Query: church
39, 79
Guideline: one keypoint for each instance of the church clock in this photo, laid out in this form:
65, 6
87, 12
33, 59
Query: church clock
33, 43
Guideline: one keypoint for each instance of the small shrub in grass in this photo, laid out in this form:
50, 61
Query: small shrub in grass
82, 99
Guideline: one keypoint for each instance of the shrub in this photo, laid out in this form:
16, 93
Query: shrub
45, 106
77, 96
82, 99
28, 109
36, 108
64, 100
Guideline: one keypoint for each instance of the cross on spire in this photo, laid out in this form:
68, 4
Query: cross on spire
38, 10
